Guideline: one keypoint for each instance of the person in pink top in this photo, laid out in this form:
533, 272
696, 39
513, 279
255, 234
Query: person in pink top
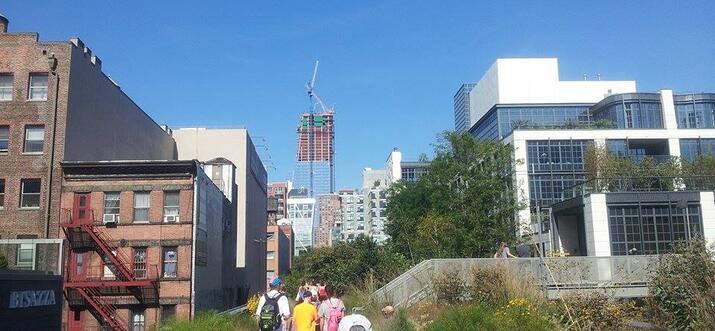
331, 310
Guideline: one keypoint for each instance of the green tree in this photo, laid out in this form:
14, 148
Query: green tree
346, 264
463, 205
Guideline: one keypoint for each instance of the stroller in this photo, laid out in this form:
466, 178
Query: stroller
355, 322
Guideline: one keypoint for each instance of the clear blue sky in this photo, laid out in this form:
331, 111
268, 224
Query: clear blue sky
391, 67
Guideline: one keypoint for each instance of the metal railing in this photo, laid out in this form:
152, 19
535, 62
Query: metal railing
563, 273
640, 184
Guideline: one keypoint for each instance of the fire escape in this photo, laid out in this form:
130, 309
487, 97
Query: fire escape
102, 289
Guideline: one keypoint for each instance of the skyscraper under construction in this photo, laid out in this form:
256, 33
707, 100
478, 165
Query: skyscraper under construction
316, 153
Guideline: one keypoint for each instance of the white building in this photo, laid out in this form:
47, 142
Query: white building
301, 216
236, 146
550, 123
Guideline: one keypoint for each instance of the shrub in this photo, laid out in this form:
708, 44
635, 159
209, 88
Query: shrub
515, 316
596, 311
683, 289
449, 287
212, 321
399, 323
498, 284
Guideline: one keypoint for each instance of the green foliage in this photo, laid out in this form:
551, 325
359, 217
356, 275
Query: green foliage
346, 264
463, 205
449, 288
596, 311
3, 262
400, 322
479, 317
212, 321
683, 289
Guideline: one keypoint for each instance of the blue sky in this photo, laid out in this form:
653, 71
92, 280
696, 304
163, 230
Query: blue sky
391, 67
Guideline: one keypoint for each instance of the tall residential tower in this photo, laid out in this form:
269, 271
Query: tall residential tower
316, 153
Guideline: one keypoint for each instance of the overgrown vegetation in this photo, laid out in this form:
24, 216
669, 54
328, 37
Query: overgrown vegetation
683, 289
461, 207
212, 321
346, 264
599, 162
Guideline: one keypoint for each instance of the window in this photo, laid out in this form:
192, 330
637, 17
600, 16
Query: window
30, 193
270, 274
34, 139
171, 205
168, 312
4, 138
141, 207
26, 255
38, 87
270, 255
269, 235
170, 262
140, 262
2, 193
111, 204
137, 320
5, 87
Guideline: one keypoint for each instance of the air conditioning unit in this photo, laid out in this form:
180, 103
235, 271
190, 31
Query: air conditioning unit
110, 218
171, 219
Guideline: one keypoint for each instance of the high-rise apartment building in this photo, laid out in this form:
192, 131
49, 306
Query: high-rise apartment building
550, 123
409, 171
374, 189
461, 108
278, 192
329, 214
352, 208
315, 162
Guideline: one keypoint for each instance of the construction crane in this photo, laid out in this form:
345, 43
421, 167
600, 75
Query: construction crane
310, 86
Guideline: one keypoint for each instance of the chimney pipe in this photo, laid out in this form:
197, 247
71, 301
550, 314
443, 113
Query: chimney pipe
3, 24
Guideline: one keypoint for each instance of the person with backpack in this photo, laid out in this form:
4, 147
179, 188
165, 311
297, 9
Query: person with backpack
273, 310
331, 310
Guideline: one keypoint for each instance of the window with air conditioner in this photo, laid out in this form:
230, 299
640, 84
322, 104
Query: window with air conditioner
270, 255
111, 207
171, 206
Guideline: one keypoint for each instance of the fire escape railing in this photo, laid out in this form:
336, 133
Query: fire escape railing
96, 286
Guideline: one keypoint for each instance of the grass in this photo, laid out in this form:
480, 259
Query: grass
212, 321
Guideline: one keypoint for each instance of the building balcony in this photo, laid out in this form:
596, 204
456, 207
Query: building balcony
640, 184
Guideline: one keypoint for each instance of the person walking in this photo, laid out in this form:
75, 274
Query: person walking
503, 251
273, 310
305, 315
331, 310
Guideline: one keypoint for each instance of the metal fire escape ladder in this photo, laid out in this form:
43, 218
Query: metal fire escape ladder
103, 310
119, 263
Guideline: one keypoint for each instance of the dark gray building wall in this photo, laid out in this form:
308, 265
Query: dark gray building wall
256, 216
103, 123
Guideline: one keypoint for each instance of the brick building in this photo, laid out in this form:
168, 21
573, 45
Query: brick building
330, 215
279, 250
143, 236
56, 104
278, 193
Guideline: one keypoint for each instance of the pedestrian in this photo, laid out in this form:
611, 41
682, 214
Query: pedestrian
305, 315
331, 310
503, 251
273, 310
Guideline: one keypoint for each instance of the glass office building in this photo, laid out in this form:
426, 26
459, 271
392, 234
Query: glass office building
501, 120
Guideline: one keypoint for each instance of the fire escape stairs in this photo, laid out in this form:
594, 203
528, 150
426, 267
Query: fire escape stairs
83, 235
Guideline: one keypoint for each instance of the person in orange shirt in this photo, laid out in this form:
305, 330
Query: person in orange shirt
305, 315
